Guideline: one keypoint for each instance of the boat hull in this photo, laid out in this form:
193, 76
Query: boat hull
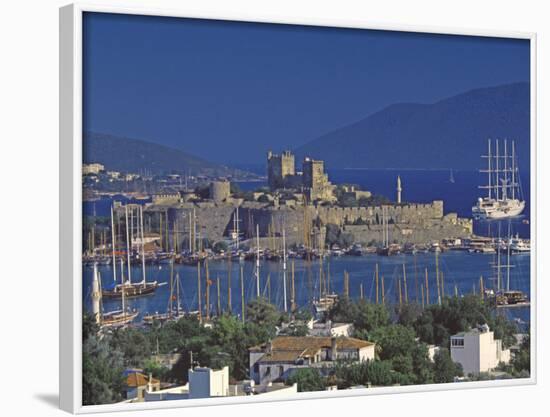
499, 210
131, 290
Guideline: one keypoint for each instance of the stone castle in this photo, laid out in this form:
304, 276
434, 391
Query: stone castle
409, 223
312, 181
305, 216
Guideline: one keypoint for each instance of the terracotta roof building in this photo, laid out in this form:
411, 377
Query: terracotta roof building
276, 360
137, 383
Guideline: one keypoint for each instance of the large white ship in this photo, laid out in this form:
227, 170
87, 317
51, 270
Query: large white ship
504, 195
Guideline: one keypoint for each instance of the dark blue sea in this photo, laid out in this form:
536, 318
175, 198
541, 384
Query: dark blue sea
460, 269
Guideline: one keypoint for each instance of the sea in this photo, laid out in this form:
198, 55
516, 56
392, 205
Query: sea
461, 270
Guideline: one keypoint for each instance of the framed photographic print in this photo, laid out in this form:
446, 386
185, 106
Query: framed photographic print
270, 209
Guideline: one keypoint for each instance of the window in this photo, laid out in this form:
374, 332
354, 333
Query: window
459, 342
256, 368
268, 371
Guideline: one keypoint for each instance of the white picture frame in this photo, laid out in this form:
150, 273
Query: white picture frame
70, 285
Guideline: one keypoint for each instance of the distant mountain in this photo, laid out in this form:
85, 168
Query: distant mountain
134, 155
451, 133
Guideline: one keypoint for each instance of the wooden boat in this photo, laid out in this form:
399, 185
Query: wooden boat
512, 298
118, 318
390, 250
128, 288
131, 290
111, 319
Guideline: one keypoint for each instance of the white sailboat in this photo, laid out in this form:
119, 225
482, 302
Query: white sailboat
504, 197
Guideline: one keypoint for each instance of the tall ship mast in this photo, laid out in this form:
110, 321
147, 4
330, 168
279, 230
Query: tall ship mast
504, 195
128, 288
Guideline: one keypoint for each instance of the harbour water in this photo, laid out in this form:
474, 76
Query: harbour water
458, 268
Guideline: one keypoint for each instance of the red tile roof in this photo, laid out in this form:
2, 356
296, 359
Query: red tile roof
137, 379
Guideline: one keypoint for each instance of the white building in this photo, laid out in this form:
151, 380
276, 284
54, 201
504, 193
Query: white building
432, 351
478, 351
331, 329
168, 394
207, 382
278, 359
92, 168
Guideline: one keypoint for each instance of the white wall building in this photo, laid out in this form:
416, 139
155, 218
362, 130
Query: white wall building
207, 382
478, 351
168, 394
331, 329
94, 168
278, 359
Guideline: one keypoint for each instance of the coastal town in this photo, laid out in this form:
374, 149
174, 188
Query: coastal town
198, 288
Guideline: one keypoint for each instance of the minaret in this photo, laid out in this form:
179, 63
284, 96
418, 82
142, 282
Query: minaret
96, 296
399, 189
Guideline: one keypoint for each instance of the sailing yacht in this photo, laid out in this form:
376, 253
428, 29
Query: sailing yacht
504, 197
129, 288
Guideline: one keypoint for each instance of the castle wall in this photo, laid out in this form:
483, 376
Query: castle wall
417, 223
406, 213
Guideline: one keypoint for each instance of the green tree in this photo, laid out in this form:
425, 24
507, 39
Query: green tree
364, 316
102, 372
158, 371
308, 379
394, 340
521, 362
263, 313
295, 330
378, 373
332, 233
229, 335
134, 345
407, 314
371, 316
422, 365
438, 322
445, 369
303, 314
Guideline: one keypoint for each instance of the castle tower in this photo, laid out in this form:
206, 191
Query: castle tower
399, 189
220, 190
279, 168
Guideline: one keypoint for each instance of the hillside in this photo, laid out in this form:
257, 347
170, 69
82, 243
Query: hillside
451, 133
134, 155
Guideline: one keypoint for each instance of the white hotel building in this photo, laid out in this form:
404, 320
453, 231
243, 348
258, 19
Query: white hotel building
478, 351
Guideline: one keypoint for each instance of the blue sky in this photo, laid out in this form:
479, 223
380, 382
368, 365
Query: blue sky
229, 91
